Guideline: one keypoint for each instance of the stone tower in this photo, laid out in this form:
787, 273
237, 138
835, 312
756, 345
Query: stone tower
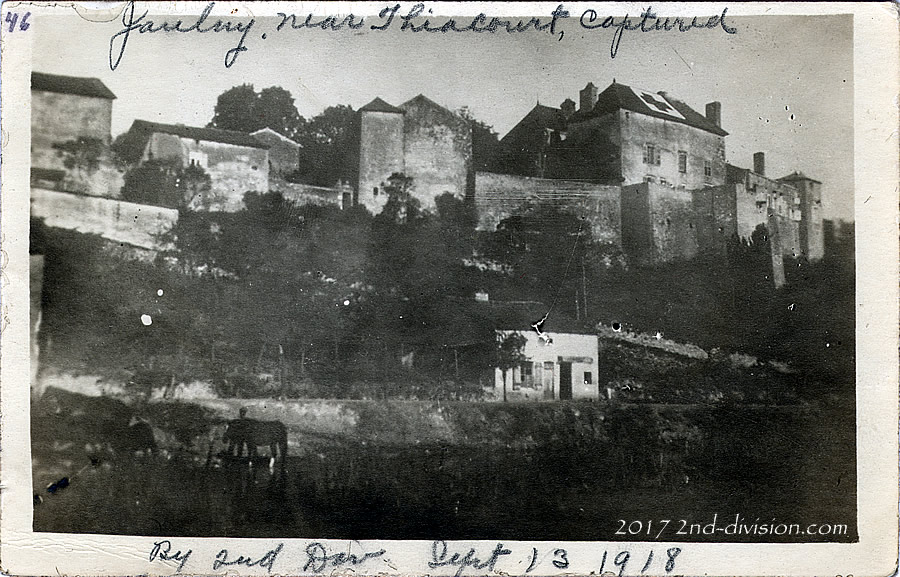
380, 151
812, 237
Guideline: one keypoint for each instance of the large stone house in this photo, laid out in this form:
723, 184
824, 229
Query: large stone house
67, 109
236, 162
649, 173
622, 135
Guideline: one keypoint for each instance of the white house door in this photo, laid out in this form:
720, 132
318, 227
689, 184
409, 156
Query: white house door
565, 381
547, 380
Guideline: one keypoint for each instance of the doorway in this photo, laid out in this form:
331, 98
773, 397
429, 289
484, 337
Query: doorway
565, 381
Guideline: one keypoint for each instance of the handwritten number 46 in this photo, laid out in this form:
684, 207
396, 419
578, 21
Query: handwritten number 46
13, 17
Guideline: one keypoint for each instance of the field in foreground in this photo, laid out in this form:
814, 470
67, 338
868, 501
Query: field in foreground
406, 470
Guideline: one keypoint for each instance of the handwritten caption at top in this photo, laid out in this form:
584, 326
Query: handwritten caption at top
318, 558
417, 19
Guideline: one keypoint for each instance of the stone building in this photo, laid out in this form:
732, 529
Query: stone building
622, 135
675, 196
66, 109
284, 153
236, 162
419, 138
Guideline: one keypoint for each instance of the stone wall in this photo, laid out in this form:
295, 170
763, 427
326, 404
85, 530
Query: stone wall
301, 194
658, 224
380, 155
58, 118
234, 170
669, 138
499, 196
139, 225
437, 151
717, 209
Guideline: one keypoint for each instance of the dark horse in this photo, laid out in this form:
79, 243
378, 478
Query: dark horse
250, 434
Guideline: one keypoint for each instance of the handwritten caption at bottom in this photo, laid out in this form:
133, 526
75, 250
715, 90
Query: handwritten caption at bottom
317, 558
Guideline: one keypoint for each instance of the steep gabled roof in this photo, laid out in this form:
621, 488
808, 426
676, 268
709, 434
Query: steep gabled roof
379, 105
78, 85
269, 131
660, 105
797, 175
196, 133
422, 102
540, 117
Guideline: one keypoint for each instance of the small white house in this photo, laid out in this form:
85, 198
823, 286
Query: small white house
558, 365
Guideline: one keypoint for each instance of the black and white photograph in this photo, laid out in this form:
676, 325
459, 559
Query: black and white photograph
437, 273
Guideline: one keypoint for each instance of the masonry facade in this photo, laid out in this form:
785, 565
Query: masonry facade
236, 162
66, 109
419, 138
660, 166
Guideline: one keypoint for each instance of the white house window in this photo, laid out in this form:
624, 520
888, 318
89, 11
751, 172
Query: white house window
588, 378
198, 158
651, 154
707, 168
682, 161
527, 375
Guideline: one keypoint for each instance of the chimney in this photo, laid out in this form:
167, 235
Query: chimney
567, 107
714, 113
588, 97
759, 163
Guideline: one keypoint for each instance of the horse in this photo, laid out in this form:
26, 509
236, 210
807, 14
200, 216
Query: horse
250, 434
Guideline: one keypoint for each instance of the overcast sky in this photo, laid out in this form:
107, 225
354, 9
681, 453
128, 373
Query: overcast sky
785, 82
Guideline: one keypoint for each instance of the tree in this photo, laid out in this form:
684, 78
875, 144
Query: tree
329, 141
242, 109
486, 147
509, 353
162, 182
547, 246
83, 157
195, 187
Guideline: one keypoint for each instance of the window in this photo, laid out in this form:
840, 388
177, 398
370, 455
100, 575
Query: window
651, 154
682, 161
527, 375
198, 158
707, 168
375, 191
588, 378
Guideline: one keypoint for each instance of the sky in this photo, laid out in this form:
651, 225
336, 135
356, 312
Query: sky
785, 82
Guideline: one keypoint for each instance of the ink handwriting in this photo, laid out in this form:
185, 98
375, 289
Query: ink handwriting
318, 558
650, 22
143, 25
267, 560
162, 550
439, 558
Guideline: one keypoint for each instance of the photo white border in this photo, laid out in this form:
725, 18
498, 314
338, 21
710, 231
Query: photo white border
876, 84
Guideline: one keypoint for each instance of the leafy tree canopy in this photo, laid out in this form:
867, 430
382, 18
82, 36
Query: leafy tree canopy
243, 109
329, 141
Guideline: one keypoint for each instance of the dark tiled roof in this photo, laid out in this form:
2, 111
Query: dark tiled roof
539, 118
797, 175
144, 127
379, 105
422, 102
71, 85
619, 96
